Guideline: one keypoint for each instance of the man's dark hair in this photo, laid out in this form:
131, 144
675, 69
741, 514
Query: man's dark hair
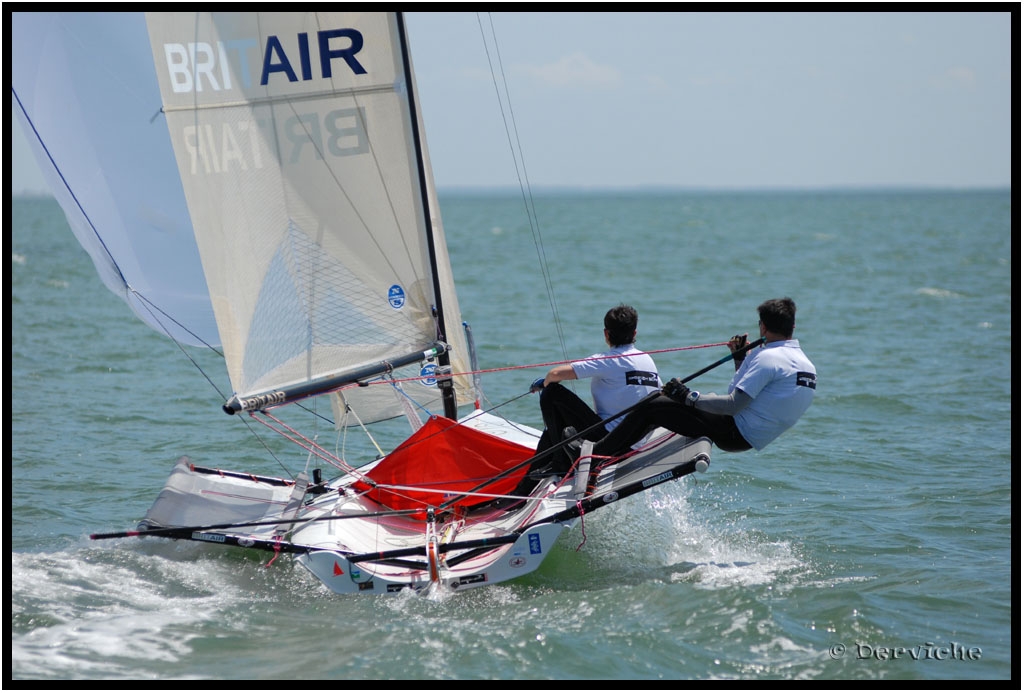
620, 322
778, 315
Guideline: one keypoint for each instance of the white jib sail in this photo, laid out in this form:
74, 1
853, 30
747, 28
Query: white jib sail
85, 92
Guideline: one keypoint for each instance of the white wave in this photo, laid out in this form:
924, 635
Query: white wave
102, 614
937, 293
716, 553
661, 528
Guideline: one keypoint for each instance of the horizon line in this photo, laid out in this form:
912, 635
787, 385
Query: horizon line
666, 188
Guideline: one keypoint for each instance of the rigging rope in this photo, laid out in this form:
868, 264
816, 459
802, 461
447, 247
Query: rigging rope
547, 364
524, 180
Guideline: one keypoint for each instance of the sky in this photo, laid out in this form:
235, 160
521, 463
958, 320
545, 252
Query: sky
707, 100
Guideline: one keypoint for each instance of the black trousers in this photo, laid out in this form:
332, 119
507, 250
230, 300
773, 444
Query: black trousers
560, 407
676, 417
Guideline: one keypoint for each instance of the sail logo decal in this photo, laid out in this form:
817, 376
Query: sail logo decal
396, 297
535, 543
262, 401
427, 374
241, 146
247, 68
480, 578
664, 476
195, 66
205, 536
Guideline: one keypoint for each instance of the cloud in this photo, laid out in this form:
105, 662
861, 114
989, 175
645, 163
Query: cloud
955, 78
716, 79
577, 70
655, 83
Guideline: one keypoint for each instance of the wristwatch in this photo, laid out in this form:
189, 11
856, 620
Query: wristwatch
691, 399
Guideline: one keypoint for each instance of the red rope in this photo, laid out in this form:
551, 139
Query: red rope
277, 551
583, 527
547, 364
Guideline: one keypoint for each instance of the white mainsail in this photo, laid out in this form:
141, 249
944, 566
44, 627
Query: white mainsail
290, 145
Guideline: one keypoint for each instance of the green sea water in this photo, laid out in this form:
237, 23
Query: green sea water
873, 541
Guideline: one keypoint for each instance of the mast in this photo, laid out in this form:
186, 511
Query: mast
443, 361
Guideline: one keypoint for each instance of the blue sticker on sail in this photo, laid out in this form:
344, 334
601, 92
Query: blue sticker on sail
396, 297
427, 374
535, 543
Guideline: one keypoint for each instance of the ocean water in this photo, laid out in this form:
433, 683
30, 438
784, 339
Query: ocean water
873, 541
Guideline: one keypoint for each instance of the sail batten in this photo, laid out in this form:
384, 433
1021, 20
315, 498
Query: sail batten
353, 92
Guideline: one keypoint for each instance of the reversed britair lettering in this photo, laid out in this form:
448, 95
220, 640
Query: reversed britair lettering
200, 66
240, 146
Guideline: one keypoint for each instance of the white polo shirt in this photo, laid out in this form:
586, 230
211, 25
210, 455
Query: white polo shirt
619, 378
781, 380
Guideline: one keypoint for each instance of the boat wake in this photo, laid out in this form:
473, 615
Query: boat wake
116, 607
673, 534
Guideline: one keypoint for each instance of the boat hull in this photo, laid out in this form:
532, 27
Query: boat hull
508, 562
354, 544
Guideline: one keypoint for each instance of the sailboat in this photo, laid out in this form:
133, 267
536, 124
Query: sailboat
260, 182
